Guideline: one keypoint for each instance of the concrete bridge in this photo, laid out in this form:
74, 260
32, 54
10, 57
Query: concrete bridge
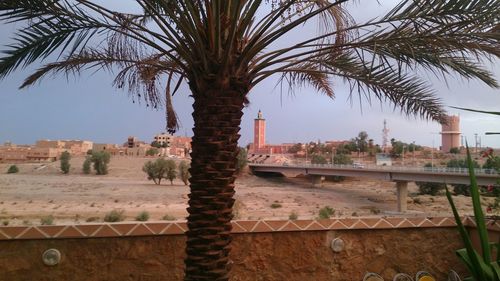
400, 175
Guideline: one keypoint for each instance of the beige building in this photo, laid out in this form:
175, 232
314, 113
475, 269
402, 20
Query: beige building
13, 154
43, 150
113, 149
163, 139
75, 147
43, 154
49, 144
173, 145
17, 154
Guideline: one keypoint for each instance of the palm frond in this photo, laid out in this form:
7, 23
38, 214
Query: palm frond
305, 74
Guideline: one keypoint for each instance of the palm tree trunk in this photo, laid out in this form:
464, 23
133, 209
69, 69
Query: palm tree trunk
217, 117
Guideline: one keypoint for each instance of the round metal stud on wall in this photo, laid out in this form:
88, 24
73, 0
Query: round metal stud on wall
51, 257
337, 245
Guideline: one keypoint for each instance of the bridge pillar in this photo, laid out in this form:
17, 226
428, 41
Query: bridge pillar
317, 181
402, 194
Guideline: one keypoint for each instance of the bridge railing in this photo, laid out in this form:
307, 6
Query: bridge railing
477, 171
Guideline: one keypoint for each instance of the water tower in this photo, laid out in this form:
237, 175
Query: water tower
450, 133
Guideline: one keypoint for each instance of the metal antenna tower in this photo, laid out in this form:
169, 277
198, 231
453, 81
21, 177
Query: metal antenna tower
385, 137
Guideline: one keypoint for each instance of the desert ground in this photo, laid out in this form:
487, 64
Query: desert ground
40, 190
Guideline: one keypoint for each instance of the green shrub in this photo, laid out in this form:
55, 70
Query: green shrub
65, 157
184, 172
276, 206
47, 220
454, 150
5, 222
461, 189
152, 152
326, 212
171, 171
13, 169
142, 216
86, 165
293, 216
318, 159
159, 169
242, 159
430, 188
115, 216
101, 160
342, 159
168, 217
92, 219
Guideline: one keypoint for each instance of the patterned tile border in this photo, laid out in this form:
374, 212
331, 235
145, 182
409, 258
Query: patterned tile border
127, 229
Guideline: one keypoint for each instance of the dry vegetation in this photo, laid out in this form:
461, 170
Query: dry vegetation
40, 190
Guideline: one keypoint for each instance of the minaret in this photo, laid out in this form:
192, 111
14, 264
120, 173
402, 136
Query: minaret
385, 137
259, 133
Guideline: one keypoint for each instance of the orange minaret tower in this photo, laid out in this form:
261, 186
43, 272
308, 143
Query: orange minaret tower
450, 133
259, 133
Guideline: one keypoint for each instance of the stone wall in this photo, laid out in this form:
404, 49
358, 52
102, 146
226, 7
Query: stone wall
262, 250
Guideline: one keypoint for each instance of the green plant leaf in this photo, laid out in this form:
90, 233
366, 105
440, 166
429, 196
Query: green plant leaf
475, 110
478, 211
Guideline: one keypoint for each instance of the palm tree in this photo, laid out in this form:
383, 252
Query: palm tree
223, 48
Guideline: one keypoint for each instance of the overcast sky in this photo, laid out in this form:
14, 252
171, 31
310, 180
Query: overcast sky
89, 108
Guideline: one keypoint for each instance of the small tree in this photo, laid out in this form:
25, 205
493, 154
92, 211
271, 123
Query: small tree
65, 157
318, 159
13, 170
342, 159
463, 189
295, 148
156, 170
242, 159
86, 165
101, 161
454, 150
430, 188
184, 172
171, 171
152, 152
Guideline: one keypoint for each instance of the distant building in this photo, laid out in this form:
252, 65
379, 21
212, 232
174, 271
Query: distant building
112, 149
163, 139
259, 145
450, 134
383, 159
74, 147
173, 145
259, 133
43, 150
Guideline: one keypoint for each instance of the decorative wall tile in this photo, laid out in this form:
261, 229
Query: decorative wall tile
243, 226
70, 231
32, 233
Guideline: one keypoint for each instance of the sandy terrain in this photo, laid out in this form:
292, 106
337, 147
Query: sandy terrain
40, 190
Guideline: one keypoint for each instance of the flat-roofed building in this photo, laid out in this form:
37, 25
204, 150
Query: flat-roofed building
43, 154
49, 144
112, 149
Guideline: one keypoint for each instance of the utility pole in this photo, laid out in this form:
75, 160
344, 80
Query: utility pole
432, 154
413, 160
306, 154
475, 138
403, 155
